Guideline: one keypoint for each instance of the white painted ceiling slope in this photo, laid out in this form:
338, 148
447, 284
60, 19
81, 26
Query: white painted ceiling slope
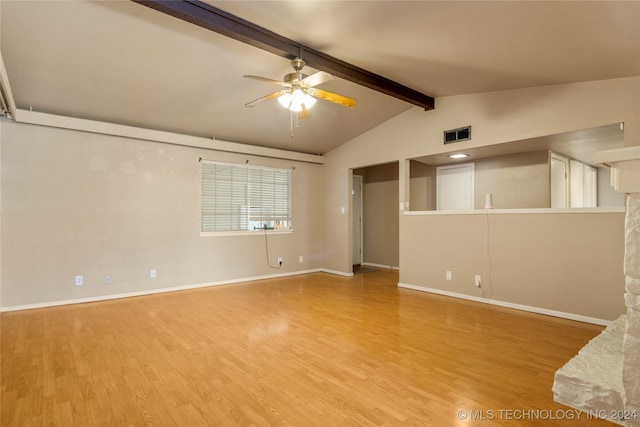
120, 62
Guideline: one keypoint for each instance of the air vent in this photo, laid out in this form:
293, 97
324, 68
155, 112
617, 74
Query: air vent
457, 135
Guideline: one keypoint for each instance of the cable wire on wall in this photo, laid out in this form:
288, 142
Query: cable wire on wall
487, 260
266, 247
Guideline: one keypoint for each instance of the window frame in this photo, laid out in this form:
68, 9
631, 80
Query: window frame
247, 194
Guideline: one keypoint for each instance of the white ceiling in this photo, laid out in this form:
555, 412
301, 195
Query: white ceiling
120, 62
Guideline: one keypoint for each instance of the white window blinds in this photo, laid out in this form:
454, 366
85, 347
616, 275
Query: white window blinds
242, 198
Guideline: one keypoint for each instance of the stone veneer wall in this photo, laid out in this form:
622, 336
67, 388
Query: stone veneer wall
631, 343
574, 385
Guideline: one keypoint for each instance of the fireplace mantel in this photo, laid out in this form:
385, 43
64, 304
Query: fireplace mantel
625, 168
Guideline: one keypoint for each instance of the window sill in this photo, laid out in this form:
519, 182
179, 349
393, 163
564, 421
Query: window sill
242, 233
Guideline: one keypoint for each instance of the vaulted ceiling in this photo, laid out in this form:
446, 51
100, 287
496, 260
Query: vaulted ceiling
122, 62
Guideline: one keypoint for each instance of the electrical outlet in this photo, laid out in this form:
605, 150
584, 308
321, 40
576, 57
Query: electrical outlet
478, 280
79, 280
153, 274
107, 280
449, 275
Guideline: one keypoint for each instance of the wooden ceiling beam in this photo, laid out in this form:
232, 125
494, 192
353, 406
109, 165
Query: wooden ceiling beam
219, 21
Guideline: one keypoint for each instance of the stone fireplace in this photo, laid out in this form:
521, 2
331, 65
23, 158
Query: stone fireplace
604, 378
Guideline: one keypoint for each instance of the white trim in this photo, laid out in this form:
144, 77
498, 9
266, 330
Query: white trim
63, 122
538, 310
617, 155
164, 290
151, 291
388, 267
605, 210
242, 233
336, 272
567, 190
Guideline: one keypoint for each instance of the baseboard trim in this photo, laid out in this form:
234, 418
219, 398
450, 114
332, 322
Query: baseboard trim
155, 291
388, 267
336, 272
538, 310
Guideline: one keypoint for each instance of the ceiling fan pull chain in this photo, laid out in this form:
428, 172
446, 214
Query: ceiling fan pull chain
291, 122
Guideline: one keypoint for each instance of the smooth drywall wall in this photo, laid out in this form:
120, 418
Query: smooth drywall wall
566, 262
2, 120
422, 186
496, 117
607, 196
516, 181
77, 203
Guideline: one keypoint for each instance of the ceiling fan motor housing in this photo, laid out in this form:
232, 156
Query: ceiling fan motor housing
294, 78
298, 64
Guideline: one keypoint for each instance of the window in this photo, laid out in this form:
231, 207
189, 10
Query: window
244, 198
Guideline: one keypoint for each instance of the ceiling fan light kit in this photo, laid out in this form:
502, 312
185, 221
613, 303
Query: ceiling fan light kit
296, 101
300, 93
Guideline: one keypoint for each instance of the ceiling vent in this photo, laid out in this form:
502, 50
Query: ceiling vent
457, 135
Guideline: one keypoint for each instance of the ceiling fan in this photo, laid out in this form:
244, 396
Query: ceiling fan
300, 93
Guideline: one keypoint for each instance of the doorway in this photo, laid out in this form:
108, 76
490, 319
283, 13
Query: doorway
559, 181
356, 192
379, 219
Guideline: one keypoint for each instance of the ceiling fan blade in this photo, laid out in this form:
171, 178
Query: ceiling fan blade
317, 78
266, 80
333, 97
264, 98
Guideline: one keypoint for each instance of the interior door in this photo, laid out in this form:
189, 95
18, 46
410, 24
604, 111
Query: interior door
576, 184
454, 187
357, 219
559, 181
590, 187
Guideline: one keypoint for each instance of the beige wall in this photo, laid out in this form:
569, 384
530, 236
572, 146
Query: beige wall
496, 117
78, 203
422, 186
567, 262
515, 181
2, 121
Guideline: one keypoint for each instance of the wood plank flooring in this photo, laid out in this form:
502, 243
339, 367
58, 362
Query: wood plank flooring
311, 350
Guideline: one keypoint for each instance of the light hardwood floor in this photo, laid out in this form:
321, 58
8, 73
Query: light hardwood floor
311, 350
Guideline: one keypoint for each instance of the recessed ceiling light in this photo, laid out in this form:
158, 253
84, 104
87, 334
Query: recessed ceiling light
458, 156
